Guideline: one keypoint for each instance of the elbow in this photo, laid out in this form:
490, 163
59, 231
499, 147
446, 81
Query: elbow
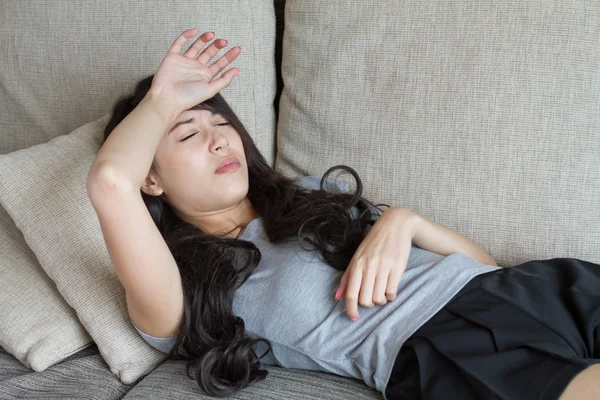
491, 261
102, 182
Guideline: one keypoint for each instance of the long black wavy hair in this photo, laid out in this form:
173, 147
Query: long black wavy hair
212, 340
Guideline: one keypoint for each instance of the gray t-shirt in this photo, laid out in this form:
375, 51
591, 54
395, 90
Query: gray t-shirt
289, 299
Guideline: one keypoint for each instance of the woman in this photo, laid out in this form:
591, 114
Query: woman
217, 276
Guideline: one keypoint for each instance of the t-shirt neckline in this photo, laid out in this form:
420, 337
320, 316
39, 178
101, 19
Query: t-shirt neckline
249, 228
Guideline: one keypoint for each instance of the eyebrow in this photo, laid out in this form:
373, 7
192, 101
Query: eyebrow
177, 124
180, 123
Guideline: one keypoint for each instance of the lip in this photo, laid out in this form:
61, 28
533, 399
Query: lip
225, 162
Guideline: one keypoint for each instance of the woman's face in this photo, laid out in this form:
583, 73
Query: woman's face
185, 176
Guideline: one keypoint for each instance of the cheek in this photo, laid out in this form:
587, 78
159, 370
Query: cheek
194, 165
239, 146
176, 167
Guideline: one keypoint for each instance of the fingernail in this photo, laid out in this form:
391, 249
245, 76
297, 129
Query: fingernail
237, 71
353, 318
338, 293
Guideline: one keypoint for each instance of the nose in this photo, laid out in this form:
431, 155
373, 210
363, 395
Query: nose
218, 139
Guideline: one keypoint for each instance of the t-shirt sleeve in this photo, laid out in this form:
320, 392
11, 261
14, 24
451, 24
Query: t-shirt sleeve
162, 344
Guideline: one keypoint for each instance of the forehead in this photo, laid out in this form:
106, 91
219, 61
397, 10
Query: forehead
187, 114
191, 116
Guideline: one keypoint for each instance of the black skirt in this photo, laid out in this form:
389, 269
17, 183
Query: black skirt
520, 332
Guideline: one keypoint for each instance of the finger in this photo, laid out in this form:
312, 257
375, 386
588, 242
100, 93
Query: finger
224, 61
180, 41
380, 286
345, 277
366, 287
216, 85
397, 271
352, 292
198, 44
341, 289
211, 50
391, 289
394, 279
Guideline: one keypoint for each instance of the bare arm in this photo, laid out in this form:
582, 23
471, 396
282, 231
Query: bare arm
431, 236
130, 148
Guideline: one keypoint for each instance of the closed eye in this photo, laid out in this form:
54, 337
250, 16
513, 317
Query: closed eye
186, 138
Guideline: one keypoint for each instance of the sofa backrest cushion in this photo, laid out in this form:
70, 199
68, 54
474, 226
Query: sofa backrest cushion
66, 64
482, 116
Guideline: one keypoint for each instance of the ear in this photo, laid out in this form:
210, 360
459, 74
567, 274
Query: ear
151, 186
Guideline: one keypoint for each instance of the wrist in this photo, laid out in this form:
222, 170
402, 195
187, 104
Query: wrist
166, 108
411, 218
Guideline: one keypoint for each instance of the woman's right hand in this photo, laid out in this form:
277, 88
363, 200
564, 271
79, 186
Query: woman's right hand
186, 80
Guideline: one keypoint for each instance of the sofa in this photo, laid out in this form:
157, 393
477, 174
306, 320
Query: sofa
483, 116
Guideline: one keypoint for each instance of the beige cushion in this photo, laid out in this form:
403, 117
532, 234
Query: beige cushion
43, 188
37, 326
65, 64
483, 116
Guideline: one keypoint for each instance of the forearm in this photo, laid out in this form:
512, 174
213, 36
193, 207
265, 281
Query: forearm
431, 236
129, 150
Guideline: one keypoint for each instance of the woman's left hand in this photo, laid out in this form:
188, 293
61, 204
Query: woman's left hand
373, 275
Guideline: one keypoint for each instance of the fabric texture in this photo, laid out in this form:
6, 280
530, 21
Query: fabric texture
518, 333
89, 378
63, 67
481, 115
43, 188
37, 326
289, 299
